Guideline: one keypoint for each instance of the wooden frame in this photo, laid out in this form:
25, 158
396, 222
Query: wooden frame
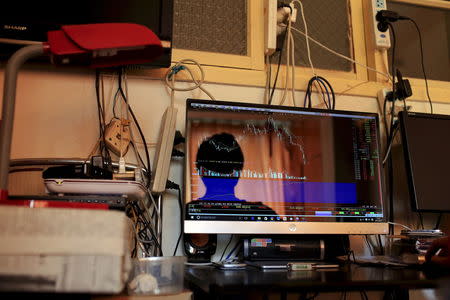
250, 70
378, 58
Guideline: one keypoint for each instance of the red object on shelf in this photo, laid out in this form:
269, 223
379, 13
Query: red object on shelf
50, 203
103, 44
3, 195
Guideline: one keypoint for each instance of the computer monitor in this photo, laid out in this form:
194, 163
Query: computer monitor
426, 149
264, 169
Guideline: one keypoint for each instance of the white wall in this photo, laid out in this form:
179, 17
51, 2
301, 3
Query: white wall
56, 116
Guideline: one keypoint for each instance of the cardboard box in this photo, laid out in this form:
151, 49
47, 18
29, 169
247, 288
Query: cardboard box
63, 250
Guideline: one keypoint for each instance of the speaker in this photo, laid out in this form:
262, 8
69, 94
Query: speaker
200, 247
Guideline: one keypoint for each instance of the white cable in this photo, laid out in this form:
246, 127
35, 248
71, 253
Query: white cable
154, 206
170, 82
398, 224
132, 138
291, 37
341, 55
198, 264
308, 49
388, 151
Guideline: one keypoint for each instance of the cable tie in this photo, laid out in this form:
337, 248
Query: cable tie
175, 70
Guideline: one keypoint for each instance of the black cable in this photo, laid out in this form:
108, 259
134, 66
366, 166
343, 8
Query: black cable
25, 170
129, 214
224, 250
140, 228
138, 127
380, 243
369, 245
114, 103
141, 161
438, 222
104, 152
278, 67
364, 295
269, 77
422, 62
147, 227
305, 296
332, 101
420, 219
390, 133
181, 220
324, 95
391, 186
234, 249
324, 85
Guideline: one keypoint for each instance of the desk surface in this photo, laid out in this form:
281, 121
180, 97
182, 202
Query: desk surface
349, 277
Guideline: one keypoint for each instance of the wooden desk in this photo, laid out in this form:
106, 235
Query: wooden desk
210, 283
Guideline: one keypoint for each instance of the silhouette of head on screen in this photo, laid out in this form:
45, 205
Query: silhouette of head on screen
219, 162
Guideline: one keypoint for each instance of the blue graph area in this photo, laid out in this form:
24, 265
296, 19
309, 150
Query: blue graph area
222, 189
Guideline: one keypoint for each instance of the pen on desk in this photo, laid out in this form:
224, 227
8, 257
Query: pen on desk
298, 266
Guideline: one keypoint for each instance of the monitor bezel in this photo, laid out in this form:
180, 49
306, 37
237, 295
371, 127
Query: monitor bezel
403, 123
258, 227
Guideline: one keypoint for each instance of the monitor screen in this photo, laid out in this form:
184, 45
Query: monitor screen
426, 148
274, 169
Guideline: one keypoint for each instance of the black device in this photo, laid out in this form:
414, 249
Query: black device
26, 24
402, 89
116, 202
426, 149
96, 169
387, 16
282, 249
276, 251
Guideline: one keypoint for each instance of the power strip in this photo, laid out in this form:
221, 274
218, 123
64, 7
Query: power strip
381, 39
118, 136
270, 26
163, 155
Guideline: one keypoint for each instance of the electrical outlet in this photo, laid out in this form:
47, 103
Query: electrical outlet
399, 108
381, 95
118, 136
381, 39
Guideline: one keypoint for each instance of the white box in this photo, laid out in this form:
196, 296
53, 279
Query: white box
63, 250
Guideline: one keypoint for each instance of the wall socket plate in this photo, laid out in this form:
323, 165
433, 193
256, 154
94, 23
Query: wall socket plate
382, 40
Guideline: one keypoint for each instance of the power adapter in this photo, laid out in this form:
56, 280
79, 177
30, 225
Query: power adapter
402, 89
